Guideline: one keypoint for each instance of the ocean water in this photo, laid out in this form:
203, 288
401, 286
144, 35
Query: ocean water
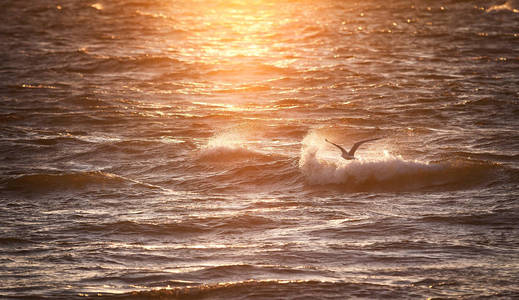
176, 149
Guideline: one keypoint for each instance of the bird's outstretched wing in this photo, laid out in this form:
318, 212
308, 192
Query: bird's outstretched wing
357, 144
344, 152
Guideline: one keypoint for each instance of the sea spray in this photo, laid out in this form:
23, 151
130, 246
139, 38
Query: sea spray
228, 146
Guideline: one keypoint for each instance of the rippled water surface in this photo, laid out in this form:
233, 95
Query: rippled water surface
176, 149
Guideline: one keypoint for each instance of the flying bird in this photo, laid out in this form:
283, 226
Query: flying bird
351, 154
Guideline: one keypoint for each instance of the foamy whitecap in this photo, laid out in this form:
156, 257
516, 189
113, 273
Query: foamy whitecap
386, 172
227, 146
335, 171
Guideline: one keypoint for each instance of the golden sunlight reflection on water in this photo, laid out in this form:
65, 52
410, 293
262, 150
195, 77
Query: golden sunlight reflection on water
182, 144
233, 32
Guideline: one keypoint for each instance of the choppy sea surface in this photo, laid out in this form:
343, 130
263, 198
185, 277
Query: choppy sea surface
176, 149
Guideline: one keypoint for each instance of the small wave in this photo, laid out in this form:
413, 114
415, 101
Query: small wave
245, 222
238, 223
268, 289
67, 181
151, 229
488, 156
244, 166
228, 146
101, 64
13, 241
291, 103
255, 69
388, 173
229, 153
61, 181
277, 174
188, 227
496, 219
246, 88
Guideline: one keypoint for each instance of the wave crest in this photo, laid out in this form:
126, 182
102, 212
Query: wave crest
41, 182
386, 173
228, 146
228, 153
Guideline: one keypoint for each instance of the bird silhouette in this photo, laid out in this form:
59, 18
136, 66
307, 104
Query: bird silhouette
351, 154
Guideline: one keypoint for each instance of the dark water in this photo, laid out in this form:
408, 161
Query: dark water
175, 149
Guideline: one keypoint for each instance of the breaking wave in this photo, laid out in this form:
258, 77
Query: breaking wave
385, 173
229, 146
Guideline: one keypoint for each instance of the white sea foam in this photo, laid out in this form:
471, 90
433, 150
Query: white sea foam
228, 146
385, 171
